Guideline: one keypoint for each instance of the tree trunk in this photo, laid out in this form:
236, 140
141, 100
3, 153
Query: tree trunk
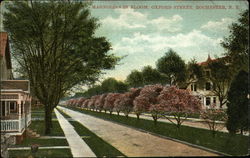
110, 112
138, 116
48, 120
126, 114
155, 119
221, 102
118, 112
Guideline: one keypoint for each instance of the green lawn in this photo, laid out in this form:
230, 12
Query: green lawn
43, 142
98, 145
223, 142
40, 113
38, 126
42, 153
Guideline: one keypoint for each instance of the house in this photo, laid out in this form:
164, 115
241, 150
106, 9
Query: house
205, 91
15, 104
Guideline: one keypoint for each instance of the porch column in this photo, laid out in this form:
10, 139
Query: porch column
19, 112
204, 103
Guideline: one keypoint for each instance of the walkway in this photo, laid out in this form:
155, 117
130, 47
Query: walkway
134, 143
78, 147
41, 147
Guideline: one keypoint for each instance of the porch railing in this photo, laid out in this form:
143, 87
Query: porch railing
9, 125
15, 125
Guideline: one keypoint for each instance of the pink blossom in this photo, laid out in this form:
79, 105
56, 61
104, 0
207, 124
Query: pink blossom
109, 101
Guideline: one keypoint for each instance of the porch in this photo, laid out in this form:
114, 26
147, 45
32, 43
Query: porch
15, 111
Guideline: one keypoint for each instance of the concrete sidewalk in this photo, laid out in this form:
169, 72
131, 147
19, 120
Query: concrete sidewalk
78, 147
42, 147
132, 142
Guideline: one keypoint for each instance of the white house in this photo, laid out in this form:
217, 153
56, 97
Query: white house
205, 91
15, 104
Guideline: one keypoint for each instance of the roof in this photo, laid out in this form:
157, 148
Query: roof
15, 85
4, 48
209, 60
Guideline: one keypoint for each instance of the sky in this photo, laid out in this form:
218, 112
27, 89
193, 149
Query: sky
145, 35
144, 31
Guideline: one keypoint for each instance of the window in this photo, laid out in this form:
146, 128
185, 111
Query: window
13, 107
208, 86
193, 87
208, 101
214, 100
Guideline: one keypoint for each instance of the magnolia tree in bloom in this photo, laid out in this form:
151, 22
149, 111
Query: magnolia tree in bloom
91, 103
179, 103
80, 102
109, 102
156, 111
69, 102
85, 103
147, 97
117, 103
126, 104
100, 102
211, 116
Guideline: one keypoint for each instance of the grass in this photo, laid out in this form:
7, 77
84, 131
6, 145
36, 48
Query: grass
39, 127
39, 113
43, 142
42, 153
222, 142
98, 145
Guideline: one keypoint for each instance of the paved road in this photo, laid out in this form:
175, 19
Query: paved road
134, 143
77, 146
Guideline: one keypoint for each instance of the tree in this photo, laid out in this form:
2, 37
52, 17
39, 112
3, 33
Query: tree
221, 76
179, 103
237, 106
109, 102
117, 103
100, 102
126, 104
212, 115
54, 43
135, 79
194, 71
152, 76
173, 67
237, 43
146, 98
114, 86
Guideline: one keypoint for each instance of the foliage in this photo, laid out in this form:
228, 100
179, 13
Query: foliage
237, 43
211, 116
126, 103
179, 103
146, 98
112, 85
237, 106
109, 85
117, 103
221, 76
135, 79
100, 102
109, 101
54, 43
173, 67
152, 76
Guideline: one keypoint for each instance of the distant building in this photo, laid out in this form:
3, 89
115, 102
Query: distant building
15, 105
205, 91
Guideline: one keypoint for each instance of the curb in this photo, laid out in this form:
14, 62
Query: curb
165, 137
